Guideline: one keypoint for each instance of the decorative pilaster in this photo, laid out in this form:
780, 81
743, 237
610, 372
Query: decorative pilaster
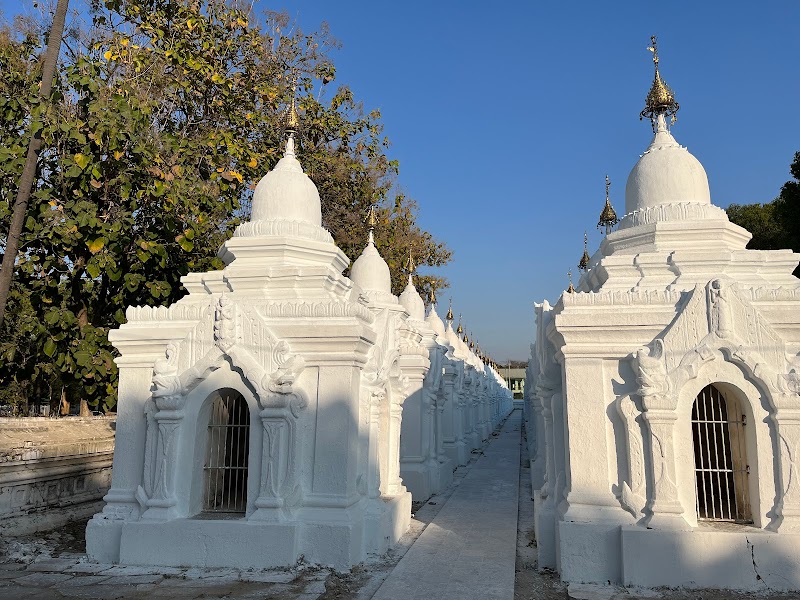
787, 420
545, 399
395, 483
441, 401
659, 414
158, 496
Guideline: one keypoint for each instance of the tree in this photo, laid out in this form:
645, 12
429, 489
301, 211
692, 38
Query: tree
168, 115
776, 224
31, 159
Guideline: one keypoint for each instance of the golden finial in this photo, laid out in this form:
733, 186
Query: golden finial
583, 265
660, 99
449, 316
571, 288
460, 329
608, 218
292, 120
471, 344
410, 264
432, 295
371, 221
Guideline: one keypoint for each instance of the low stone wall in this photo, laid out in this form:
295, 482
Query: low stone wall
52, 469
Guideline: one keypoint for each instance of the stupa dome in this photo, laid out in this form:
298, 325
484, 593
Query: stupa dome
412, 301
286, 193
370, 271
666, 173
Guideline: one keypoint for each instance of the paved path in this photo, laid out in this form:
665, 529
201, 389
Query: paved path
469, 549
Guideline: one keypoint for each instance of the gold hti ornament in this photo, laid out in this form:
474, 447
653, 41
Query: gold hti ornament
410, 264
608, 218
660, 99
583, 265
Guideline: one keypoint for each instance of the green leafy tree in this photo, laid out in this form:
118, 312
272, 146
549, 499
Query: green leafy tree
776, 224
167, 115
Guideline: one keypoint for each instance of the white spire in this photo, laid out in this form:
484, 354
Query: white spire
289, 150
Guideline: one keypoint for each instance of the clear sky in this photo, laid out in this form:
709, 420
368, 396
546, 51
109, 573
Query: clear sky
506, 117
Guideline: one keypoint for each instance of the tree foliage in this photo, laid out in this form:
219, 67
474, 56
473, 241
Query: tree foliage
776, 224
163, 117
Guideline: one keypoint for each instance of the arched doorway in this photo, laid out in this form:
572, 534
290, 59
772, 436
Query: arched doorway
720, 457
227, 450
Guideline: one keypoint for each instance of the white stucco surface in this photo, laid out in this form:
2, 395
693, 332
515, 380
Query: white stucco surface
672, 302
341, 384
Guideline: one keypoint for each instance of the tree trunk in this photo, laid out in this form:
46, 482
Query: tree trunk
29, 172
64, 405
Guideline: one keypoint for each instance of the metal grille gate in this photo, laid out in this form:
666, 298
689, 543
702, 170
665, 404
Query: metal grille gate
720, 458
228, 445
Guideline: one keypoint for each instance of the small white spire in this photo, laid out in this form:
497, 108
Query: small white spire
661, 123
289, 146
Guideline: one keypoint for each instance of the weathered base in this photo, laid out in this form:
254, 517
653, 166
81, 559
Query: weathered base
339, 538
737, 558
387, 520
588, 552
457, 452
545, 530
417, 478
750, 559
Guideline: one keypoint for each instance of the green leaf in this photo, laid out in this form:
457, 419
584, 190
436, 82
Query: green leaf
49, 348
184, 243
82, 358
81, 160
96, 244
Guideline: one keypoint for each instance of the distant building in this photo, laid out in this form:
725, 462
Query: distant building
515, 378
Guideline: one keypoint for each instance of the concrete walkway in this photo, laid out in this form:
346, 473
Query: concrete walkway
469, 549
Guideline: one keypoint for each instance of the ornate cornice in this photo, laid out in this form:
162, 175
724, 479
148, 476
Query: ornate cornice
679, 211
283, 228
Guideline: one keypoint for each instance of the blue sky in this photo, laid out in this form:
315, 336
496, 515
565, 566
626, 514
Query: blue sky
505, 118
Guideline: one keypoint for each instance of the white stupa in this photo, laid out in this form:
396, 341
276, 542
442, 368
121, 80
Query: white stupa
411, 299
269, 351
435, 321
677, 353
370, 272
671, 233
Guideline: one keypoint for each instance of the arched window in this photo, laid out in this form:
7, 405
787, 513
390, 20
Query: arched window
720, 457
227, 449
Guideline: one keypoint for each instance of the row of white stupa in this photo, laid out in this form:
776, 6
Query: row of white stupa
281, 410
